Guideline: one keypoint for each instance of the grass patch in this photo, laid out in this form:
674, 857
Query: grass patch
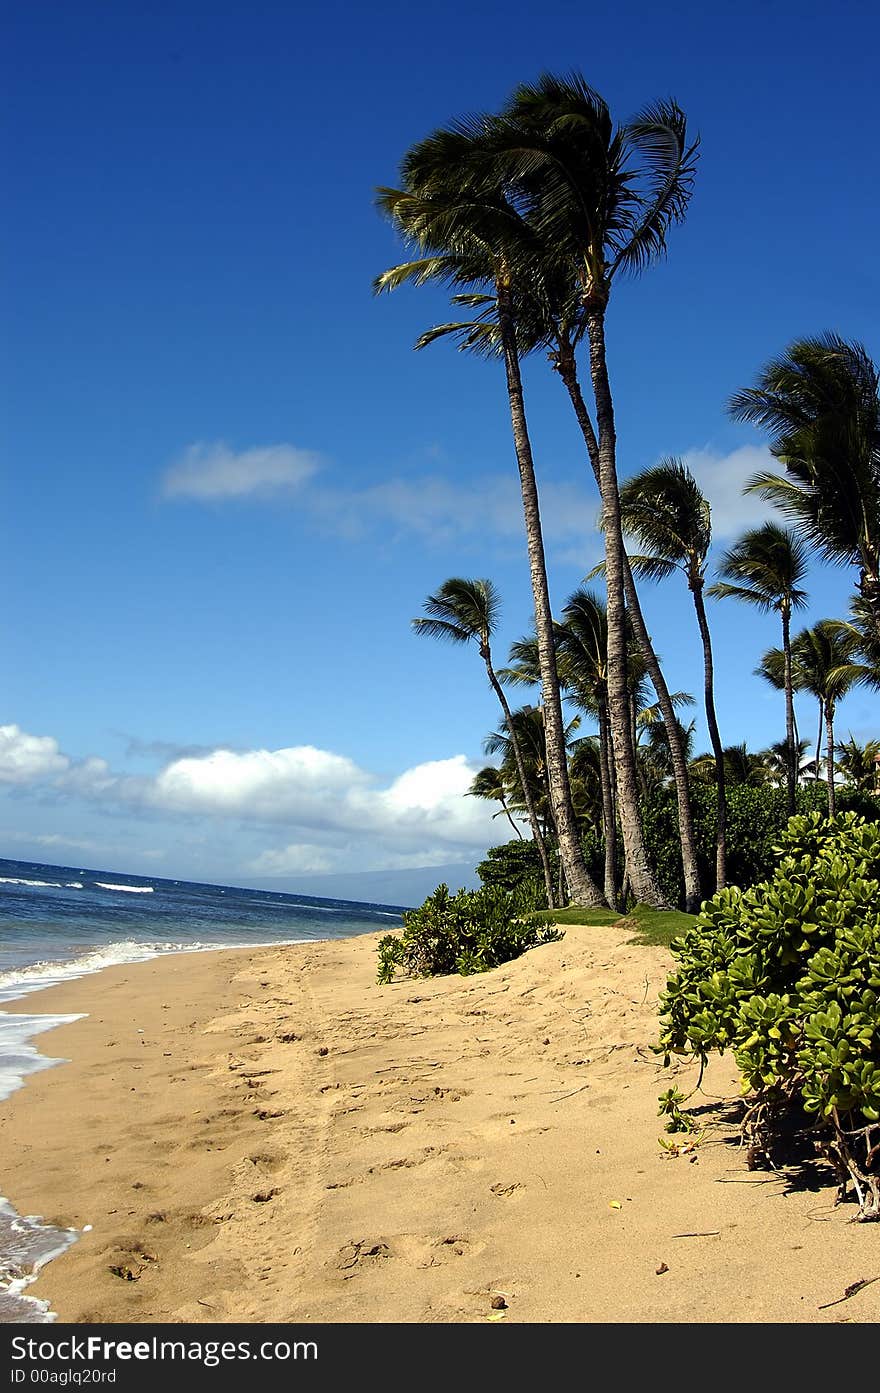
656, 926
579, 916
659, 926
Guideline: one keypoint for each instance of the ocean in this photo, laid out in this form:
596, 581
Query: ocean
58, 922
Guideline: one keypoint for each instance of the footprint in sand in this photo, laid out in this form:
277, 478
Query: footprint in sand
359, 1253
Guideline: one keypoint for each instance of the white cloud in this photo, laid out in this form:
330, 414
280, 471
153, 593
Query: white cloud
56, 839
212, 471
26, 759
271, 784
328, 796
442, 510
721, 477
300, 858
433, 507
90, 777
336, 814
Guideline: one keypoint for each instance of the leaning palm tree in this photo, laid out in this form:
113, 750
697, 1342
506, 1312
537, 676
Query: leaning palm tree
466, 611
468, 232
490, 783
664, 509
820, 403
602, 199
765, 568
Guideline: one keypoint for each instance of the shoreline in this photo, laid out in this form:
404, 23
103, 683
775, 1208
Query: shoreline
266, 1135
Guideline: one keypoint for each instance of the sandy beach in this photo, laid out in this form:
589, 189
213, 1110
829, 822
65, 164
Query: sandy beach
267, 1135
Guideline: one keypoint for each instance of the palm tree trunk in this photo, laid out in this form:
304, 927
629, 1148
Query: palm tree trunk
609, 815
642, 876
714, 736
789, 710
511, 821
521, 770
819, 741
869, 588
567, 369
581, 886
829, 729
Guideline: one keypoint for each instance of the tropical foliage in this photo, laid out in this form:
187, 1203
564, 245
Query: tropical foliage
787, 976
527, 217
465, 933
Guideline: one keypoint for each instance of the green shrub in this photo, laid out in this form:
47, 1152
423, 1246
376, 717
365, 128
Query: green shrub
468, 932
787, 976
516, 866
756, 819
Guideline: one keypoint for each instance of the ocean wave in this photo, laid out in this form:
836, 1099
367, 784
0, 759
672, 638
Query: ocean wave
73, 885
129, 889
21, 981
26, 1245
43, 884
51, 971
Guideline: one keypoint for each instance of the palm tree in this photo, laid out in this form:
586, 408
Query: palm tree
860, 629
465, 611
602, 199
860, 764
665, 510
581, 650
821, 664
528, 728
468, 232
742, 766
775, 757
489, 783
582, 658
820, 403
765, 568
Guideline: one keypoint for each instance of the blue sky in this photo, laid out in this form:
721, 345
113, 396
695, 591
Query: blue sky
230, 483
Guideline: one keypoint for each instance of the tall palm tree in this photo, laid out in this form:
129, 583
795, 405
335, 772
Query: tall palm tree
821, 664
602, 199
664, 509
820, 403
489, 783
765, 568
469, 232
467, 611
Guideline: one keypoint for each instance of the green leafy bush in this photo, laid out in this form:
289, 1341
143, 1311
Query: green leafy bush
756, 819
468, 932
516, 866
787, 976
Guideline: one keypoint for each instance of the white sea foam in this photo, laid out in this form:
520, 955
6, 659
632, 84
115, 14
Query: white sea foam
27, 1245
19, 981
43, 884
128, 889
18, 1057
73, 885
